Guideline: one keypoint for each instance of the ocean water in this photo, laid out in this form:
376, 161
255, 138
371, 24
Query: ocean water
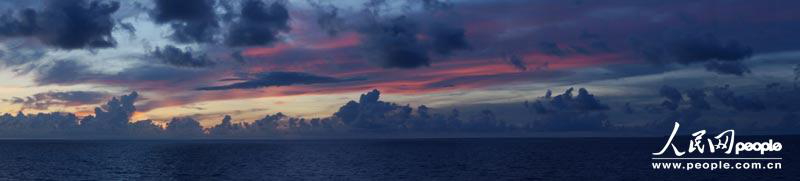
386, 159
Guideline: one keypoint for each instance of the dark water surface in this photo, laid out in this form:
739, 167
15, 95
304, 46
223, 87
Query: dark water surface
391, 159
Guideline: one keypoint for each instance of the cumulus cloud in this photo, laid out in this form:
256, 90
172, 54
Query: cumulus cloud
65, 24
259, 24
274, 79
44, 100
184, 128
370, 114
182, 58
567, 112
110, 120
367, 115
192, 21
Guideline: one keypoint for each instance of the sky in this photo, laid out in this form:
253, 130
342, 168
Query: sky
521, 65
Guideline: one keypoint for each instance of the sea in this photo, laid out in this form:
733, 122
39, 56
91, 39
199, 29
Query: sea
364, 159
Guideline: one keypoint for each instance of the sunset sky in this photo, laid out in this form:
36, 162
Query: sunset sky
206, 59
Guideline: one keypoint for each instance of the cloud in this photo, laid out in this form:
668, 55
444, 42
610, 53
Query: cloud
192, 21
182, 58
274, 79
393, 44
42, 101
65, 24
184, 128
566, 112
517, 62
142, 77
114, 116
447, 38
673, 95
690, 49
371, 115
738, 102
697, 99
551, 48
63, 72
719, 57
16, 53
435, 5
226, 128
328, 18
259, 24
109, 121
404, 41
733, 68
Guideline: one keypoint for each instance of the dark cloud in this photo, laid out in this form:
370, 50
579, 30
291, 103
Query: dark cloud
22, 23
582, 102
673, 95
517, 62
628, 109
329, 18
732, 68
63, 72
114, 116
435, 5
226, 128
275, 79
447, 38
237, 55
370, 114
66, 24
44, 100
567, 112
719, 57
109, 121
675, 108
143, 77
393, 44
551, 48
741, 103
697, 99
259, 24
182, 58
184, 128
17, 53
690, 49
191, 20
787, 100
406, 40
